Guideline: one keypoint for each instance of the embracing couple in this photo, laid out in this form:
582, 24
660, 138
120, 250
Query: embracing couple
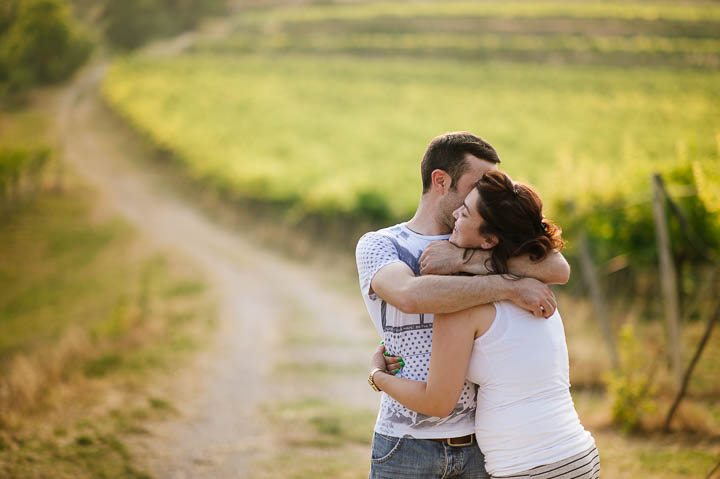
493, 398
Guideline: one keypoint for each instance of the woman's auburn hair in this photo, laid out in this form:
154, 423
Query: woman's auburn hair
513, 213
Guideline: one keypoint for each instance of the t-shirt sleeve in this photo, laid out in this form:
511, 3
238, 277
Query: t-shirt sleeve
374, 250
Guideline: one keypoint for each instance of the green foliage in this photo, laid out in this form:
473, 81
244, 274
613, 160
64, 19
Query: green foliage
707, 178
8, 11
345, 136
53, 270
40, 44
625, 225
103, 365
630, 387
92, 454
15, 164
131, 23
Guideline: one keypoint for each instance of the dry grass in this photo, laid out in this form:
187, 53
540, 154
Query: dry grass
698, 415
90, 313
29, 375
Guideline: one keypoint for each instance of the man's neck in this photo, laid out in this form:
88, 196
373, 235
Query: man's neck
425, 220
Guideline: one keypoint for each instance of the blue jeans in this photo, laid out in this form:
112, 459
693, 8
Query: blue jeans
407, 457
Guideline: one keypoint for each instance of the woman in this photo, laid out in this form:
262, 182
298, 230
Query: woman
525, 424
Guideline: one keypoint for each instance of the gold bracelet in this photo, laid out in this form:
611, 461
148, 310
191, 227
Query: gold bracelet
371, 381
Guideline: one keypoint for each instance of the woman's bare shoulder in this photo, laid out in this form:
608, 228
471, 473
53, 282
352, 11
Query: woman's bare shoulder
482, 317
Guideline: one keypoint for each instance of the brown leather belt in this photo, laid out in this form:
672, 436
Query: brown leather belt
457, 441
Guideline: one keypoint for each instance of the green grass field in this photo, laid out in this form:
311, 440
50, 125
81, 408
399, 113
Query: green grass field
329, 134
327, 108
652, 11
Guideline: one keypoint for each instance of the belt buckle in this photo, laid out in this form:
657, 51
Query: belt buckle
463, 444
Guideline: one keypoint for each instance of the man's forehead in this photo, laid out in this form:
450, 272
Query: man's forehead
477, 168
479, 163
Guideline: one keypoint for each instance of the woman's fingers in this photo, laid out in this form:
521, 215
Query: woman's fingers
392, 367
382, 359
393, 363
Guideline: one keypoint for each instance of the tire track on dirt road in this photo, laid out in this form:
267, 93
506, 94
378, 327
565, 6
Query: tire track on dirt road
217, 433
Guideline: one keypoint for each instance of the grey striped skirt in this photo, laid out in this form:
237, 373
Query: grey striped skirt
585, 465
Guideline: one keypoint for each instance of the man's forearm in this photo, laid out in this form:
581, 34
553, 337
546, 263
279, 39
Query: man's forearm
553, 269
448, 294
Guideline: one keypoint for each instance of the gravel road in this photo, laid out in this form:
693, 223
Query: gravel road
217, 432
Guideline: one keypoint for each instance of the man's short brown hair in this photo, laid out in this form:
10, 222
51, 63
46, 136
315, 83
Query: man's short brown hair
447, 152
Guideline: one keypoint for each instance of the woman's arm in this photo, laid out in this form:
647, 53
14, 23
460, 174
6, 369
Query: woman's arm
442, 257
453, 338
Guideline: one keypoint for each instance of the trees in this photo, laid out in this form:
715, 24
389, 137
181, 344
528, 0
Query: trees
131, 23
39, 44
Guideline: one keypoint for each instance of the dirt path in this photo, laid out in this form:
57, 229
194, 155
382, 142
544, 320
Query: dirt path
217, 433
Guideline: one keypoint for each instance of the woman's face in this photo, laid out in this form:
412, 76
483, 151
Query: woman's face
466, 232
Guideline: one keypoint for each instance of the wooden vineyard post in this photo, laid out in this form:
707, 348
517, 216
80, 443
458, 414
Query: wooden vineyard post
598, 299
686, 379
668, 281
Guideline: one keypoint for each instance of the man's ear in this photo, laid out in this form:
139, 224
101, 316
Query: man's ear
488, 241
441, 181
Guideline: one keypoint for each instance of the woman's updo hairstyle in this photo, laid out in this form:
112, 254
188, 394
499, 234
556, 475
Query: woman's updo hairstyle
513, 213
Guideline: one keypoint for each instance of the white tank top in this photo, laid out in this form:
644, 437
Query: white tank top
525, 415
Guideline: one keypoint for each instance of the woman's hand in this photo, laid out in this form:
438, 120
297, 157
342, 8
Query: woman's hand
381, 359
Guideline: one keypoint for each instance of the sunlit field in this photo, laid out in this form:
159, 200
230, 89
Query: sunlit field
326, 133
329, 107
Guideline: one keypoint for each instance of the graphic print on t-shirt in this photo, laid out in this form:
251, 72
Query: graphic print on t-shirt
406, 335
414, 263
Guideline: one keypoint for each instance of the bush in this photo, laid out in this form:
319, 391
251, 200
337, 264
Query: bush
619, 227
131, 23
41, 44
8, 11
17, 164
630, 387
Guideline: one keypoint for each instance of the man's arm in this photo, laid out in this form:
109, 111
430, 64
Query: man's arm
443, 257
396, 284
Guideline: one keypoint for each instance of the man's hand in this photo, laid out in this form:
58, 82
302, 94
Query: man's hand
441, 257
534, 296
381, 359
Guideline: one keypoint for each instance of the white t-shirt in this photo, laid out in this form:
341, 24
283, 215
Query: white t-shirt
408, 336
525, 414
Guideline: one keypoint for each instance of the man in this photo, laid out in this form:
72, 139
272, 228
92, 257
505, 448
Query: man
399, 300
